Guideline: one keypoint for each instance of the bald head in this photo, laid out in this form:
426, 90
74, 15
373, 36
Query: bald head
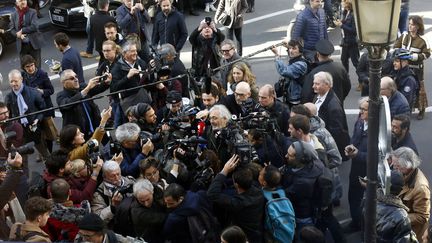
266, 95
242, 92
312, 108
388, 86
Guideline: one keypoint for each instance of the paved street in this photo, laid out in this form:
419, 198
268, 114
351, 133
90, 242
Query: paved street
266, 26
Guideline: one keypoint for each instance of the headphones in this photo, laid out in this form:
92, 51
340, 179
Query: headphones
300, 155
139, 110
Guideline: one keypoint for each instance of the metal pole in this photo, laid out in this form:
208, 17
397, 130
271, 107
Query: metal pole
376, 56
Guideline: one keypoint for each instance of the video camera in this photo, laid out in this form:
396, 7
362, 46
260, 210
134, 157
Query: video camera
123, 190
144, 136
237, 144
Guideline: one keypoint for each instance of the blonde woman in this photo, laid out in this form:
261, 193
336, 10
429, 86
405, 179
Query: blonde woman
241, 72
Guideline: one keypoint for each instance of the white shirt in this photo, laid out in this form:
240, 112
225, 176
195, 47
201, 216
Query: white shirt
320, 101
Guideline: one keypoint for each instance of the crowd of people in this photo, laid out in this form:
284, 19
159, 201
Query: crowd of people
205, 154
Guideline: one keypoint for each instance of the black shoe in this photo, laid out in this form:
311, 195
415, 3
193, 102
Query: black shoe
248, 10
351, 228
252, 9
193, 13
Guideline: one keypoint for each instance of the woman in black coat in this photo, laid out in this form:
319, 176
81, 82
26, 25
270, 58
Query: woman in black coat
37, 78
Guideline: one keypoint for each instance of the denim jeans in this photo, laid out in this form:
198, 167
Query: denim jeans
403, 19
90, 37
230, 32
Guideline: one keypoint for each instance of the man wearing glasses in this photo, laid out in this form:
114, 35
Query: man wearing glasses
84, 114
229, 54
240, 103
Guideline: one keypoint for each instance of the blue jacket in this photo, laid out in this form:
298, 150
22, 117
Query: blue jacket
359, 140
310, 27
407, 141
170, 29
407, 84
72, 60
399, 105
131, 161
128, 23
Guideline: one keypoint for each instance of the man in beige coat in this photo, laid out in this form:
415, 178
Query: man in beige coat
415, 193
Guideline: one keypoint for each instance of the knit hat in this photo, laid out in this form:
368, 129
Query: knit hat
91, 222
173, 97
324, 47
397, 182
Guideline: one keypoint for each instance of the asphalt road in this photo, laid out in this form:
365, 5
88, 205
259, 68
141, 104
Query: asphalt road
266, 26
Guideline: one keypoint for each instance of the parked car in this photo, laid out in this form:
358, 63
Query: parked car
7, 7
69, 14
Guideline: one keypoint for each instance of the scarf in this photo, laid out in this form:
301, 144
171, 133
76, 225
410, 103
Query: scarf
22, 106
30, 78
21, 13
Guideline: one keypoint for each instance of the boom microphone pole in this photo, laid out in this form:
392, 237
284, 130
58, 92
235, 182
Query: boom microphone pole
92, 98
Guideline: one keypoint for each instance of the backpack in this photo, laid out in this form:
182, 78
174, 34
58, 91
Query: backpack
203, 227
37, 186
279, 216
23, 238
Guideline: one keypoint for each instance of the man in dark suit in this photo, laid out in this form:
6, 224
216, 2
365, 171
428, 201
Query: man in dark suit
100, 18
341, 80
86, 114
330, 110
23, 100
24, 27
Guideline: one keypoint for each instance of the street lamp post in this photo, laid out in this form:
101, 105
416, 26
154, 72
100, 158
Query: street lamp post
376, 22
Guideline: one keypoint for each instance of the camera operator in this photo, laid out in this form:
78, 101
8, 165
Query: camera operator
11, 126
85, 115
144, 116
111, 191
219, 120
159, 92
23, 100
276, 109
14, 173
268, 149
205, 40
240, 103
72, 139
174, 105
133, 147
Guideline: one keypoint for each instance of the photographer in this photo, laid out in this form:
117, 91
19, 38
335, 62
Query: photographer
133, 147
246, 207
111, 191
240, 102
174, 105
58, 166
219, 120
72, 139
268, 149
205, 40
85, 115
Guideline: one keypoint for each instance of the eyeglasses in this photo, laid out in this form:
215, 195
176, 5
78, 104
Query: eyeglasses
4, 113
226, 51
240, 95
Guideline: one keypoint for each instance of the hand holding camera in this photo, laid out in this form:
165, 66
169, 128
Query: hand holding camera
147, 148
15, 161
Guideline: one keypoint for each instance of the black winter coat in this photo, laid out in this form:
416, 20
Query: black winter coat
341, 80
120, 80
41, 80
33, 100
245, 210
97, 23
148, 222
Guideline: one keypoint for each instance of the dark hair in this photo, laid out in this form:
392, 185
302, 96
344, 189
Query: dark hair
61, 39
175, 191
102, 3
311, 234
56, 161
147, 163
213, 158
110, 25
405, 121
418, 21
26, 60
36, 206
272, 176
214, 90
301, 110
2, 104
297, 43
234, 234
67, 135
300, 122
59, 190
243, 177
